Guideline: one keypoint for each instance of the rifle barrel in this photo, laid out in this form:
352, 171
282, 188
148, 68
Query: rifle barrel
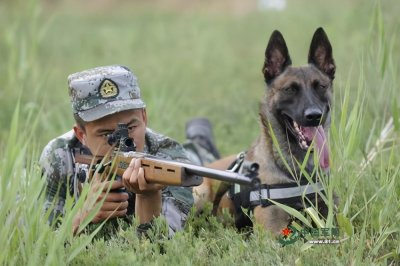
221, 175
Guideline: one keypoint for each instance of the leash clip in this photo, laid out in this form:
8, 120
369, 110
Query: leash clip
238, 162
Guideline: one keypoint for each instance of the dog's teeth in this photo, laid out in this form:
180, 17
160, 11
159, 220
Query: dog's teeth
304, 143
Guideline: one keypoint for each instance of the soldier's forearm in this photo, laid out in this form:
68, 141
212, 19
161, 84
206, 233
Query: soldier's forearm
148, 206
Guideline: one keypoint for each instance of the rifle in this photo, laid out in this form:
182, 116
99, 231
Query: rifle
159, 170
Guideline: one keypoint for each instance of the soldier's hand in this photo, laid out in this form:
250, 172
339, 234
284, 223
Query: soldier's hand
115, 204
135, 181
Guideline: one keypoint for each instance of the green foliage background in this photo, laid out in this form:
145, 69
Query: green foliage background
199, 58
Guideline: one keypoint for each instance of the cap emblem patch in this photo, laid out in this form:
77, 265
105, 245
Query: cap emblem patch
108, 89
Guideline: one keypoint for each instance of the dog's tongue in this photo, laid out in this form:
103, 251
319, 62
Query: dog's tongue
320, 143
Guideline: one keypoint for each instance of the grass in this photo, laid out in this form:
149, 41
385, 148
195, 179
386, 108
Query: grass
200, 60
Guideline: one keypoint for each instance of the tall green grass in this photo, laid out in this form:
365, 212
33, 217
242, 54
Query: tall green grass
26, 234
205, 63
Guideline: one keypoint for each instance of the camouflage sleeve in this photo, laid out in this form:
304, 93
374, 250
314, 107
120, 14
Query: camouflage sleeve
54, 162
176, 201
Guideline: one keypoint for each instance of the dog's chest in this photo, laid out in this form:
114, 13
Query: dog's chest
269, 172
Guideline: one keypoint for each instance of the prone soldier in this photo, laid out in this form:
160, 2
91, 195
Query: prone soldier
101, 98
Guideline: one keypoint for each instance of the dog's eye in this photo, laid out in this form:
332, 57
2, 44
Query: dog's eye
318, 86
292, 89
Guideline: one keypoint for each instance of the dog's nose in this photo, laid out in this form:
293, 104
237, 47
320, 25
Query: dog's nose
313, 115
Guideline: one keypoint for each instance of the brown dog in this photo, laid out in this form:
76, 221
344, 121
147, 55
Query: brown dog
296, 113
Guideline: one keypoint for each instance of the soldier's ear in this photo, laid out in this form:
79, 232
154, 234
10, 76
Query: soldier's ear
276, 57
320, 54
144, 114
80, 134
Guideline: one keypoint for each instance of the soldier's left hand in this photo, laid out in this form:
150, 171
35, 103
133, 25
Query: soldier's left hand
134, 180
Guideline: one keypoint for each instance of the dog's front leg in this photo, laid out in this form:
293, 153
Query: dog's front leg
272, 218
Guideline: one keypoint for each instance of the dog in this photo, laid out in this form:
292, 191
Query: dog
294, 118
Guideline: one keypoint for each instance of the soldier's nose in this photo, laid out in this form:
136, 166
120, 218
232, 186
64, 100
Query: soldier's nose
313, 115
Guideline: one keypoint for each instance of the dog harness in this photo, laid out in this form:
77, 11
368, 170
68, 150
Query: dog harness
294, 195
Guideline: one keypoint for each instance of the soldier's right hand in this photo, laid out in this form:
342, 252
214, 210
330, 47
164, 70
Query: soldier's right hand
115, 204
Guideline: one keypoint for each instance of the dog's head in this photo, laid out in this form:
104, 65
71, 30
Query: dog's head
299, 98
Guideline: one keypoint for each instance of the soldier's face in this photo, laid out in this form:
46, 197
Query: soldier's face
95, 134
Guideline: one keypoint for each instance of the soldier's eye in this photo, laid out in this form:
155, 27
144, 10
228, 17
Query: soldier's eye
106, 134
130, 128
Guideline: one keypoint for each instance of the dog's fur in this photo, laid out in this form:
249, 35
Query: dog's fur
301, 94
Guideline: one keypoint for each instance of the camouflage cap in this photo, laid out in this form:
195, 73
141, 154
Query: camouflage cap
103, 91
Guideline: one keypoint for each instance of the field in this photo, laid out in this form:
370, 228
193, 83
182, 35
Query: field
200, 59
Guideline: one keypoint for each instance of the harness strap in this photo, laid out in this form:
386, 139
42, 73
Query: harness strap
290, 193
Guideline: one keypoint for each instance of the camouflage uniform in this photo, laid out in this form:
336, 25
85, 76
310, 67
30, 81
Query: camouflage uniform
96, 93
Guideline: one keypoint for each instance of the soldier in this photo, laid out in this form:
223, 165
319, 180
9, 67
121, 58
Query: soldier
101, 98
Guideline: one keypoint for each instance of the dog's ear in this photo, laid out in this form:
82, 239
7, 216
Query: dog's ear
276, 57
320, 53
